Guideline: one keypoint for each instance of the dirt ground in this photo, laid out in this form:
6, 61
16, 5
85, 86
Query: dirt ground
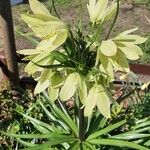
129, 16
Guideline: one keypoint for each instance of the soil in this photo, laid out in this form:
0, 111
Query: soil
130, 16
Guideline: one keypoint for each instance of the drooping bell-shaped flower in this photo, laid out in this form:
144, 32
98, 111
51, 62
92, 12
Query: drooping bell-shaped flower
50, 29
99, 10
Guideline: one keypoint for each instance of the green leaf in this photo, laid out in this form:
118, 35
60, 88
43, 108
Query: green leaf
96, 123
74, 146
130, 136
108, 48
147, 143
143, 124
89, 146
118, 143
106, 130
52, 117
39, 123
52, 142
41, 129
35, 136
69, 87
24, 143
59, 56
65, 117
142, 120
38, 8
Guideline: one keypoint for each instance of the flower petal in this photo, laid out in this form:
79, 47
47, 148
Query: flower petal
38, 8
91, 101
69, 87
103, 103
108, 48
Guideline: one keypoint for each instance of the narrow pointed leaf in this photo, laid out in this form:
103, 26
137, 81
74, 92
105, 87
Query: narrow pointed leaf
24, 143
130, 136
34, 136
66, 118
55, 141
118, 143
106, 130
74, 146
40, 123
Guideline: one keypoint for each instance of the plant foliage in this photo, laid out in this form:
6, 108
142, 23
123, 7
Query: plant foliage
69, 64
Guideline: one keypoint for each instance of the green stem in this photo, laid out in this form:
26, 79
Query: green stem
97, 34
97, 59
81, 121
81, 124
55, 10
114, 21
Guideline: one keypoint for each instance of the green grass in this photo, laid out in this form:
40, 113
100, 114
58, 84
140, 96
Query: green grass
146, 49
143, 2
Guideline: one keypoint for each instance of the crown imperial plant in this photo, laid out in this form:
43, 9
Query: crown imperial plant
71, 63
79, 67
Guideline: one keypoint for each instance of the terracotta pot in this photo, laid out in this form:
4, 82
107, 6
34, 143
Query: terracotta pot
140, 69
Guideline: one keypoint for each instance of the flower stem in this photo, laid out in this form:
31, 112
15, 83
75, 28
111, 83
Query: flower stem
81, 124
114, 21
55, 10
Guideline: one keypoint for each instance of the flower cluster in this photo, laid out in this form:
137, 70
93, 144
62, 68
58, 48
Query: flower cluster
67, 64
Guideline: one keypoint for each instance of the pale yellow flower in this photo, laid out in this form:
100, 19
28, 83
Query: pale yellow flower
100, 11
